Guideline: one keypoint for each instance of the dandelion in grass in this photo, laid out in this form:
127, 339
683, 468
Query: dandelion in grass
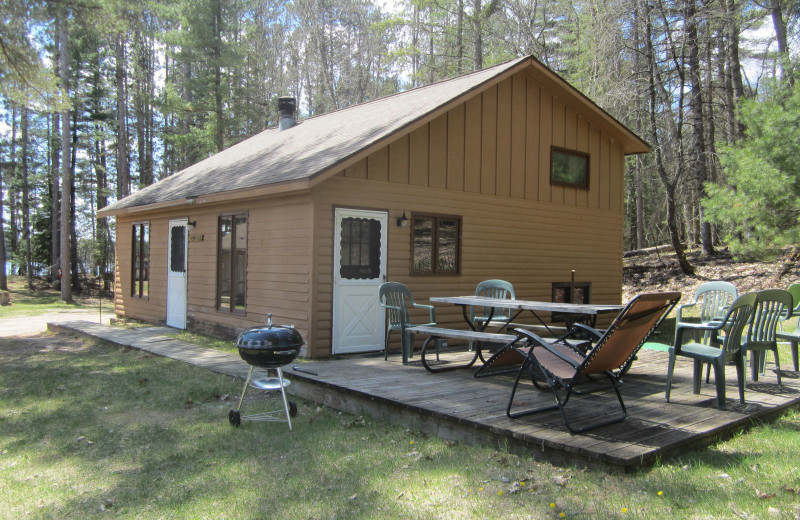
552, 505
624, 509
660, 493
562, 514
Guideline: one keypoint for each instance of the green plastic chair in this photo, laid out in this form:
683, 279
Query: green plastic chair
396, 298
711, 300
794, 290
500, 317
774, 305
734, 322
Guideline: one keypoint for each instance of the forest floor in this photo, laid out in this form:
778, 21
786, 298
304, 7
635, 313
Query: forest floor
660, 272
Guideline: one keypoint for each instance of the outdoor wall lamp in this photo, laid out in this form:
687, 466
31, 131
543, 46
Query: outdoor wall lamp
402, 221
192, 224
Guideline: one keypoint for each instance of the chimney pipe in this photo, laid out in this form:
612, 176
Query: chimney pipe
286, 107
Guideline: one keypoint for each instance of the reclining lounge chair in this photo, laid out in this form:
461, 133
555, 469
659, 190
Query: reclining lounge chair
562, 366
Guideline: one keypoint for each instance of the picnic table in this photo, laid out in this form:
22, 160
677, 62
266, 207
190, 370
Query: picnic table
477, 334
589, 310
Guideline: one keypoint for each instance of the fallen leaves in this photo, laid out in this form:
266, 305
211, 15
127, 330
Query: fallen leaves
85, 440
765, 496
358, 422
561, 480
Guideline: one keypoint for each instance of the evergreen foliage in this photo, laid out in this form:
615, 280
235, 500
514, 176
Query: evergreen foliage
758, 206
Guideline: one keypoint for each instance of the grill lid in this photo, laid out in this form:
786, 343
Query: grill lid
271, 346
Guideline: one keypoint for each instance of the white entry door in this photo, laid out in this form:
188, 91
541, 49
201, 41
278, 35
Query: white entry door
359, 262
176, 274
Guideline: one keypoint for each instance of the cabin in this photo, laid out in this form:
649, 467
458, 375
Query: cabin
508, 172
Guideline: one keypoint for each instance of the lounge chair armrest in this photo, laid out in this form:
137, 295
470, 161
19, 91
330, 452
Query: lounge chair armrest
580, 327
536, 341
530, 336
430, 308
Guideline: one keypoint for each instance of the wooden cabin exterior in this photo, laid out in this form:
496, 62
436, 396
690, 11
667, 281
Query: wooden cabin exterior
477, 161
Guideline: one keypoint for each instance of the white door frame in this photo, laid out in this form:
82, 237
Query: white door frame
358, 320
177, 288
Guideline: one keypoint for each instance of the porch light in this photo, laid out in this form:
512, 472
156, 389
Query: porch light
402, 221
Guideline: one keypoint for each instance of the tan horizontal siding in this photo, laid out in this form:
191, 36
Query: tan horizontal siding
279, 240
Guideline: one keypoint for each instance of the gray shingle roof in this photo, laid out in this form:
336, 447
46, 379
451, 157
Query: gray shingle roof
311, 147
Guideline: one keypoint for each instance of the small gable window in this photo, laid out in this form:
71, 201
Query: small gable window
569, 168
436, 244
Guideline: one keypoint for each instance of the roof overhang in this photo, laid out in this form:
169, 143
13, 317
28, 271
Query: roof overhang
271, 190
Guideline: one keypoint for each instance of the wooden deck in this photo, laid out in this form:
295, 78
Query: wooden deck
455, 405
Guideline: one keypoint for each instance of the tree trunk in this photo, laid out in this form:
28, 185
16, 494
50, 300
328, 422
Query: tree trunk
123, 169
669, 184
734, 90
698, 161
779, 23
460, 37
140, 79
13, 239
638, 174
73, 232
218, 74
102, 224
66, 171
477, 26
26, 206
55, 213
431, 57
151, 96
55, 188
3, 259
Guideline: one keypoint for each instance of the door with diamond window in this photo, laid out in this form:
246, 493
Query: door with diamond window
359, 261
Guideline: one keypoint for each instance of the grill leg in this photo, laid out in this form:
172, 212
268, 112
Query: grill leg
285, 401
244, 390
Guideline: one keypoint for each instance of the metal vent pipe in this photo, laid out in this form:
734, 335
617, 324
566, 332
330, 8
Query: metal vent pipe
286, 108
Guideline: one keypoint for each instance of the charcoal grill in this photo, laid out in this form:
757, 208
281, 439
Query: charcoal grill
270, 347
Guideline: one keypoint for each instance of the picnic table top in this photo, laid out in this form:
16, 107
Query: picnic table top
532, 305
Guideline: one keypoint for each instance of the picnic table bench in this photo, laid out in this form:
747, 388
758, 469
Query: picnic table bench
478, 338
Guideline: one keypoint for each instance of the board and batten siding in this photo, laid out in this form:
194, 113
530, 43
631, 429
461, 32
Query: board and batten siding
279, 257
498, 143
488, 161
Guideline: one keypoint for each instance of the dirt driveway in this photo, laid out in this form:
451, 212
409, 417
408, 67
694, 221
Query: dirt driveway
36, 324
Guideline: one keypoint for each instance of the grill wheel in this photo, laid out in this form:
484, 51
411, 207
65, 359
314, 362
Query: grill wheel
235, 417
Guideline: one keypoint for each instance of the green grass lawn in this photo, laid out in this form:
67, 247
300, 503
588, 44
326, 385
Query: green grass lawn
89, 430
43, 299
